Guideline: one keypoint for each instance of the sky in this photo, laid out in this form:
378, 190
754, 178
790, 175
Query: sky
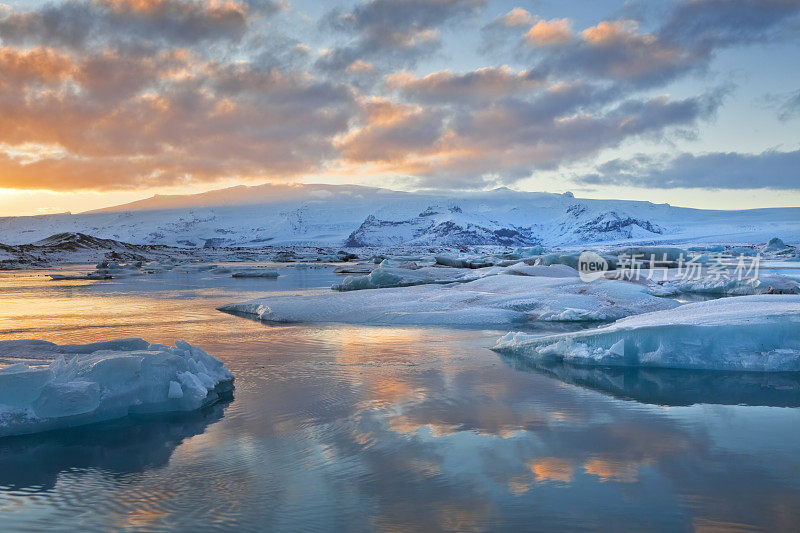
691, 102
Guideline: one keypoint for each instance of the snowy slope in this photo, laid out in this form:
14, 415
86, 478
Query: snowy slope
330, 215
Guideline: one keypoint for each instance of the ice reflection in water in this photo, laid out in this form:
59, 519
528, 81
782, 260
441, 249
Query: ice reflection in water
673, 387
337, 427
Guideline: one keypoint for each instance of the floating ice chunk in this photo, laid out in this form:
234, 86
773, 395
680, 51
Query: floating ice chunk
256, 273
488, 301
529, 251
747, 333
727, 286
570, 260
659, 253
354, 269
105, 270
102, 381
386, 276
551, 271
775, 245
462, 262
742, 250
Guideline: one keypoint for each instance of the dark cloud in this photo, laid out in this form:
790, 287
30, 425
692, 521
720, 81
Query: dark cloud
721, 170
162, 119
390, 31
128, 23
134, 93
482, 85
790, 108
620, 51
507, 140
393, 133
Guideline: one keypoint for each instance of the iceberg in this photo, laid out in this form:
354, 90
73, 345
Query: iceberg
776, 245
84, 384
744, 333
491, 301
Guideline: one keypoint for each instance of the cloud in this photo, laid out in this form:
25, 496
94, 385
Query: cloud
548, 32
83, 23
720, 170
392, 133
132, 93
619, 51
790, 108
481, 85
391, 31
510, 138
162, 119
515, 18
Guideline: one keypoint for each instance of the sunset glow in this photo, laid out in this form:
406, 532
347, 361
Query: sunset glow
106, 102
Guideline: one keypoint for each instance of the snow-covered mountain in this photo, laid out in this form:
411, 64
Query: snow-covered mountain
332, 215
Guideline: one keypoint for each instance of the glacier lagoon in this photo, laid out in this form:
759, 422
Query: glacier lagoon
387, 427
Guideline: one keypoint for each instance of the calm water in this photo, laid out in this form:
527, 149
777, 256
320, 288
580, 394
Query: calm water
376, 428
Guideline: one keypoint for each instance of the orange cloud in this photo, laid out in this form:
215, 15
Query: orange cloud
482, 84
612, 32
517, 17
219, 9
552, 469
621, 471
40, 64
359, 66
549, 32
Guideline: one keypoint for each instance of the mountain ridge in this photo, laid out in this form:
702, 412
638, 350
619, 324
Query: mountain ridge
339, 215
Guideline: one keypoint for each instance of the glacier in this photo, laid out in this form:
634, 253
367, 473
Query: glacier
744, 333
330, 215
490, 301
84, 384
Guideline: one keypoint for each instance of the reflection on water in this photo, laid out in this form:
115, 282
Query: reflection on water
664, 386
347, 427
133, 444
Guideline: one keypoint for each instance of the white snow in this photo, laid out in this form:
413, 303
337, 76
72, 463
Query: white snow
746, 333
496, 301
90, 383
277, 215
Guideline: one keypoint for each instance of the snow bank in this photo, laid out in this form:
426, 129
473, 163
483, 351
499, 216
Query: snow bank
90, 383
498, 301
748, 333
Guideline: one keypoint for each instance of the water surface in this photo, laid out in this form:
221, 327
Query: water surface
381, 428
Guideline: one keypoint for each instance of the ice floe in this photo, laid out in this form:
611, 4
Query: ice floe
83, 384
748, 333
491, 301
727, 286
256, 273
388, 276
